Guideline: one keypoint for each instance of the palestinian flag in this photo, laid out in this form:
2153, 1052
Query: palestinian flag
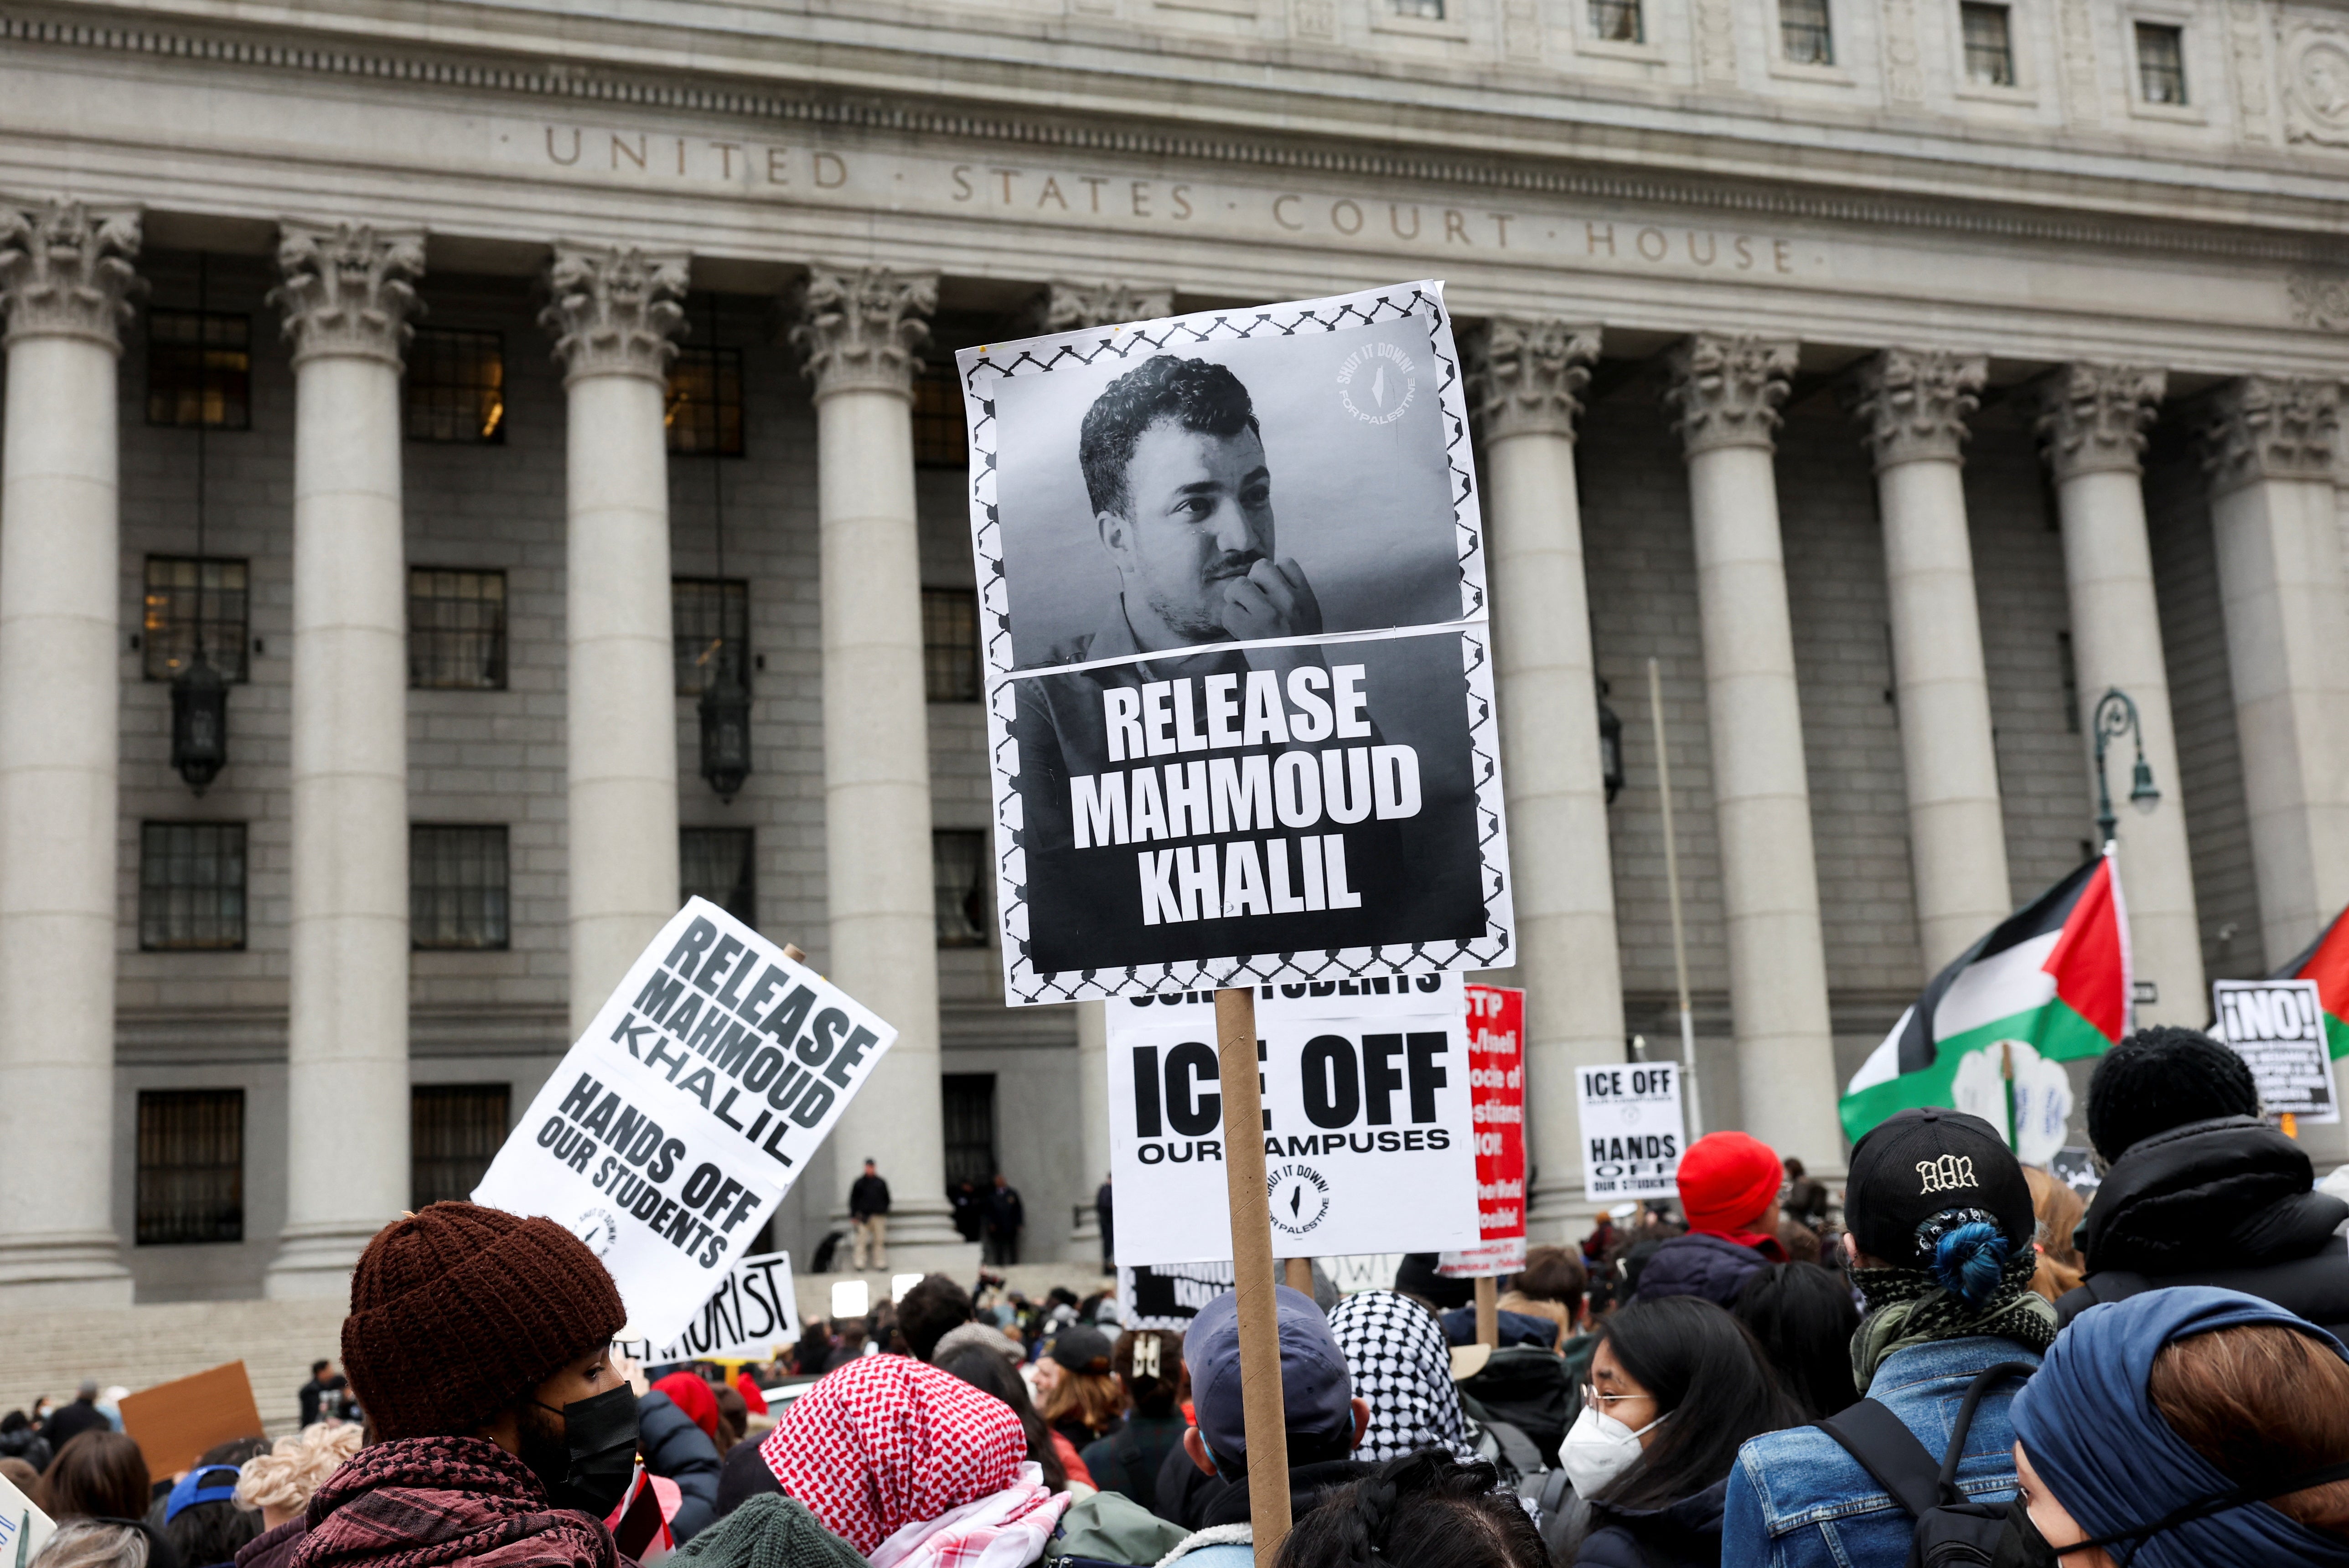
2326, 961
2054, 977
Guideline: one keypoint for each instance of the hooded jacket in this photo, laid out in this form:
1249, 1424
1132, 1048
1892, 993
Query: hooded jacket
675, 1447
2225, 1202
1685, 1533
1699, 1263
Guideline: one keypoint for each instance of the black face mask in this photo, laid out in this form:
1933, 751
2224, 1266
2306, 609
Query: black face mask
591, 1471
2020, 1545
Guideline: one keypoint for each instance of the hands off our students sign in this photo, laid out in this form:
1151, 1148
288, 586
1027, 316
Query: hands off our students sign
683, 1115
1367, 1129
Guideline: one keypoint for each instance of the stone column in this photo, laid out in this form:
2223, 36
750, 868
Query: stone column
66, 281
1074, 307
1725, 392
2093, 419
858, 330
347, 295
2270, 452
613, 312
1915, 406
1526, 395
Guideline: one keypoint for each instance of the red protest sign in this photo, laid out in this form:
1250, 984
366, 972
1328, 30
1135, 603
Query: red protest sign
1497, 1099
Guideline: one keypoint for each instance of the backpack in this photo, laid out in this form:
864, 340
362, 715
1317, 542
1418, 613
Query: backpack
1529, 1387
1951, 1531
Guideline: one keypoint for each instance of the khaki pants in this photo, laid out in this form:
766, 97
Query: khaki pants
869, 1241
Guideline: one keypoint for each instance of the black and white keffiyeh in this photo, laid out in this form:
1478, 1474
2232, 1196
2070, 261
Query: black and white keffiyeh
1401, 1366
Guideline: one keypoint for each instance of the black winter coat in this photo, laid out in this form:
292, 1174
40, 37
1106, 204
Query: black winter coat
1710, 1267
2224, 1202
673, 1446
1684, 1534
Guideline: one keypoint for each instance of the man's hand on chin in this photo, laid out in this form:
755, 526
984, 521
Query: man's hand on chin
1274, 600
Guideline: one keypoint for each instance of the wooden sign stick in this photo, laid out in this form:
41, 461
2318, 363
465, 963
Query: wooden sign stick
1252, 1275
1488, 1311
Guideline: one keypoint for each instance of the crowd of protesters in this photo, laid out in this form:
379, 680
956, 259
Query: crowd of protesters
1961, 1361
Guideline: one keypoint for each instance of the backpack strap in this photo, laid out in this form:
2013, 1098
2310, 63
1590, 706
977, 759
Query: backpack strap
1887, 1449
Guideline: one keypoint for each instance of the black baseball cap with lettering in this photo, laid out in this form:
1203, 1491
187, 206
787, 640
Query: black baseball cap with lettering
1921, 1163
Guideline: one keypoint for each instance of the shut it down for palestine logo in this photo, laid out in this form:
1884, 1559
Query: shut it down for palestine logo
598, 1230
1298, 1196
1377, 383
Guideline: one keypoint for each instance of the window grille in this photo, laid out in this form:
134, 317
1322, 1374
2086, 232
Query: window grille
191, 1184
184, 594
2161, 63
704, 402
959, 870
950, 644
967, 1104
1805, 32
1618, 22
710, 618
941, 434
456, 887
456, 386
454, 1130
199, 369
190, 886
1989, 47
720, 864
456, 629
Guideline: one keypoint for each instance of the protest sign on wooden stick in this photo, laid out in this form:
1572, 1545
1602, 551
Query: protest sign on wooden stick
1259, 1307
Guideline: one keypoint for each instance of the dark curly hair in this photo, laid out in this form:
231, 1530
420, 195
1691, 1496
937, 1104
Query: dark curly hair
1427, 1509
1195, 394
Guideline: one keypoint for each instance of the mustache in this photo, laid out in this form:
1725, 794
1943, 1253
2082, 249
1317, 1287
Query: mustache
1237, 564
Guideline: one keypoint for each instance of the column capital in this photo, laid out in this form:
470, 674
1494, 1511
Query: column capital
348, 289
1914, 403
65, 271
2093, 417
2265, 428
859, 329
1526, 375
1074, 307
613, 310
1726, 390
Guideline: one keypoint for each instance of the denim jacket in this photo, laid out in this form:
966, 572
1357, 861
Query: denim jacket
1796, 1500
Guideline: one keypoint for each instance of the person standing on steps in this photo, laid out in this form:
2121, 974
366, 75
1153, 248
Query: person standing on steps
868, 1220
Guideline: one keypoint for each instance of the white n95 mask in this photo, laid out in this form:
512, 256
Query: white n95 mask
1596, 1448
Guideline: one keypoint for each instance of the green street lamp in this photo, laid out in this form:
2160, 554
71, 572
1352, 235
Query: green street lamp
2117, 716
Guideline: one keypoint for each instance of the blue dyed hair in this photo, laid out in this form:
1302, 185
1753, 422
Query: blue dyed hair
1966, 1254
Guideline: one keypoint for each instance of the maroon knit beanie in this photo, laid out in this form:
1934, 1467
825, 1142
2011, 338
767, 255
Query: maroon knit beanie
458, 1310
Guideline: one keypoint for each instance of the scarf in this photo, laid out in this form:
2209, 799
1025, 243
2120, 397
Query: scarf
1909, 1306
1007, 1529
421, 1502
2105, 1450
1401, 1366
886, 1441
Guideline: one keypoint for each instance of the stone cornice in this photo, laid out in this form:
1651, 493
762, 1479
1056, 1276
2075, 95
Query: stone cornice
1916, 405
1527, 378
1725, 391
2059, 215
2093, 417
613, 310
348, 290
2265, 428
65, 271
859, 327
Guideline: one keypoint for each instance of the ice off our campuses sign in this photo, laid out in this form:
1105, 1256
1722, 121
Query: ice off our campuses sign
697, 1096
1367, 1129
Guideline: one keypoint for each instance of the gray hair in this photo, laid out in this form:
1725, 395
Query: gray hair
93, 1544
88, 1389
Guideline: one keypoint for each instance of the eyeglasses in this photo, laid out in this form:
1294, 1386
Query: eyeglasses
1592, 1399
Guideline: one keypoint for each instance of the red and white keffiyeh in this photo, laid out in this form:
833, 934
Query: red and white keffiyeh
886, 1441
1008, 1530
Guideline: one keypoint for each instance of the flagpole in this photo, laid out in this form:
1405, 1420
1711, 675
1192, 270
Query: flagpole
1673, 882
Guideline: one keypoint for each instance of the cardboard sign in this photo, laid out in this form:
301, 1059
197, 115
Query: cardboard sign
677, 1123
2076, 1168
1497, 1097
749, 1314
2278, 1028
23, 1529
1240, 717
1632, 1134
1168, 1295
1367, 1133
174, 1423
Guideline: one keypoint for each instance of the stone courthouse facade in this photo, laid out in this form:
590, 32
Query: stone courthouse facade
490, 398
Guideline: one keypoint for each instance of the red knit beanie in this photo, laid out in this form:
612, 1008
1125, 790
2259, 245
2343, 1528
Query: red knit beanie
689, 1394
458, 1310
1726, 1179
